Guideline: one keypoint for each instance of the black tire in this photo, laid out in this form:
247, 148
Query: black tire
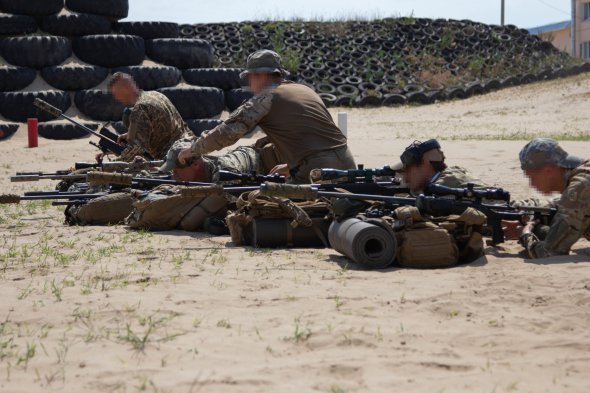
17, 24
222, 78
117, 9
419, 97
18, 106
196, 102
153, 77
452, 93
182, 53
368, 101
198, 126
99, 105
110, 50
149, 30
74, 24
35, 51
31, 7
7, 130
64, 130
474, 88
344, 101
328, 99
16, 78
236, 97
80, 77
394, 100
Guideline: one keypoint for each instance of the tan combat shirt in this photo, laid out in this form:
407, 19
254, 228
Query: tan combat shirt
292, 115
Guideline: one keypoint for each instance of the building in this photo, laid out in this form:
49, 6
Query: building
560, 34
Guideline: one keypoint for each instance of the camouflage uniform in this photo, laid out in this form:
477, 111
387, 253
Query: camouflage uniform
572, 219
154, 124
457, 177
294, 118
114, 208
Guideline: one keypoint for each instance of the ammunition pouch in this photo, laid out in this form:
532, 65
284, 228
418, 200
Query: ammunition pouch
268, 154
303, 223
165, 209
106, 210
438, 243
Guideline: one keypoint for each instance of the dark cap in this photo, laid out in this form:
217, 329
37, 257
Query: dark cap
542, 151
171, 162
264, 62
417, 151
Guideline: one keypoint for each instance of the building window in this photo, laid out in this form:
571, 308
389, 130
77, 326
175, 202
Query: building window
585, 50
586, 11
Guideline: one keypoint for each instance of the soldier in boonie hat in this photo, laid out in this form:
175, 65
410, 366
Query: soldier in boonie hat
264, 62
292, 115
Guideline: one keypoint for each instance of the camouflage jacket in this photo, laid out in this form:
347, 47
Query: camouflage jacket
572, 220
457, 177
244, 159
154, 124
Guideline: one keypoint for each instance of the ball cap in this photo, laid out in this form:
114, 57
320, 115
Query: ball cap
171, 162
264, 61
542, 151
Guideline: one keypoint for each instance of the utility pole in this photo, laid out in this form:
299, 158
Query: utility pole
573, 32
503, 12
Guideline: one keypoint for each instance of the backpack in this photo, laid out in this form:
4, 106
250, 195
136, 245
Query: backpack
165, 208
263, 221
440, 241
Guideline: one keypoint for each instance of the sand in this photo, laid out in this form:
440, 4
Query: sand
104, 309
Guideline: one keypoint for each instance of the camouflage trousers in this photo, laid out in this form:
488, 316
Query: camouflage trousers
244, 159
340, 158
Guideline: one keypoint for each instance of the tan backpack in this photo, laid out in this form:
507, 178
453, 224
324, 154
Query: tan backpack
165, 208
302, 218
439, 242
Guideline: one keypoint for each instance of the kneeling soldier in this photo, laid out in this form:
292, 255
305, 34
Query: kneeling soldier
292, 115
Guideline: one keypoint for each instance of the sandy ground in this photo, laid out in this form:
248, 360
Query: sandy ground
105, 309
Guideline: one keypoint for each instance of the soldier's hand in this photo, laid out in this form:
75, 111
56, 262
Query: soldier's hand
512, 229
530, 226
122, 139
281, 169
139, 160
99, 157
184, 155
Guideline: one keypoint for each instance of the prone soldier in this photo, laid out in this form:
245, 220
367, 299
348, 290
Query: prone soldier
549, 169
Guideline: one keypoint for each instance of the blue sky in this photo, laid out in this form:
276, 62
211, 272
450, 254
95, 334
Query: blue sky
524, 13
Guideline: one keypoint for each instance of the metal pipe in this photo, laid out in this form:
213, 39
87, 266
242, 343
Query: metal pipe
503, 12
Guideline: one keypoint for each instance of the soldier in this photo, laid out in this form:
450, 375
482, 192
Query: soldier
292, 115
154, 122
114, 208
550, 169
244, 159
423, 162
